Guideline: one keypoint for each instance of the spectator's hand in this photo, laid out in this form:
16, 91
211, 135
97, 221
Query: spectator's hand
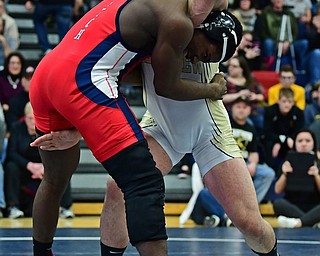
36, 169
286, 168
316, 22
58, 140
290, 142
275, 149
314, 170
253, 96
220, 86
245, 92
285, 47
252, 53
5, 107
252, 168
2, 39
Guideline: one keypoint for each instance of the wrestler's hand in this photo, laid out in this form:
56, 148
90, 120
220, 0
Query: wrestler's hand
57, 140
220, 86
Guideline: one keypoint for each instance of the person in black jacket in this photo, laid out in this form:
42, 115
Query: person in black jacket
24, 170
281, 121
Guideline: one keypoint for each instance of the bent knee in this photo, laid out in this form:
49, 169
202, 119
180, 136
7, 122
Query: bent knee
249, 222
113, 192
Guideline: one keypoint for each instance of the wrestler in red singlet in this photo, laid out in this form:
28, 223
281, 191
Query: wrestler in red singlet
82, 91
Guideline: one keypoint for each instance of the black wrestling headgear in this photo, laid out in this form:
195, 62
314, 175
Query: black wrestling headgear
223, 27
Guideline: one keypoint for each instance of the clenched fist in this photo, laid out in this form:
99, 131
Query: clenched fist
220, 86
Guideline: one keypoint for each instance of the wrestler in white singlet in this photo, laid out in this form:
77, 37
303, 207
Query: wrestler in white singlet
200, 127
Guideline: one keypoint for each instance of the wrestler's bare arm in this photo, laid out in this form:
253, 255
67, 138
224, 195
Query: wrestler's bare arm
167, 58
200, 9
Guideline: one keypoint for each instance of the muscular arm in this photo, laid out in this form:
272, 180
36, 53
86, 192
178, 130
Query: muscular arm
201, 8
167, 59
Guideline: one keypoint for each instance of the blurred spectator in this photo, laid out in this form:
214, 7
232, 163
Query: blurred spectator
10, 28
17, 102
23, 168
300, 206
183, 168
312, 65
249, 48
60, 11
2, 138
312, 110
315, 128
248, 141
287, 80
268, 26
245, 11
281, 121
80, 7
240, 82
6, 45
302, 11
10, 79
208, 212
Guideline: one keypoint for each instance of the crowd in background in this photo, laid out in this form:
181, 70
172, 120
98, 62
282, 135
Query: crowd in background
280, 36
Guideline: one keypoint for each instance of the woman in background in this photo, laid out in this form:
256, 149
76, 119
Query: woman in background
299, 208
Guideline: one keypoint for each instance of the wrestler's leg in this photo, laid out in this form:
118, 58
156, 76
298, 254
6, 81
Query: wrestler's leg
113, 228
232, 186
58, 169
135, 173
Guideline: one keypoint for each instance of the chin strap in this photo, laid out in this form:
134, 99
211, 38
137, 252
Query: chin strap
224, 48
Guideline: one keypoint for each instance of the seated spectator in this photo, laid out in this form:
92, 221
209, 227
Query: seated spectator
281, 121
312, 110
183, 167
240, 82
268, 26
246, 137
11, 28
312, 64
299, 207
249, 48
246, 13
6, 45
23, 168
2, 138
315, 128
10, 79
302, 12
208, 212
287, 80
17, 102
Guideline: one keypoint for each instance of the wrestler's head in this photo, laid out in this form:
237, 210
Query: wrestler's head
216, 39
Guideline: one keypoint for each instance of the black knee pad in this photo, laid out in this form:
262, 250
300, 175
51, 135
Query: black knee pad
142, 183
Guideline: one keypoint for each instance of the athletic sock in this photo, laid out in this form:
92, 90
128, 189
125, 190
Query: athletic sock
42, 249
107, 250
273, 252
